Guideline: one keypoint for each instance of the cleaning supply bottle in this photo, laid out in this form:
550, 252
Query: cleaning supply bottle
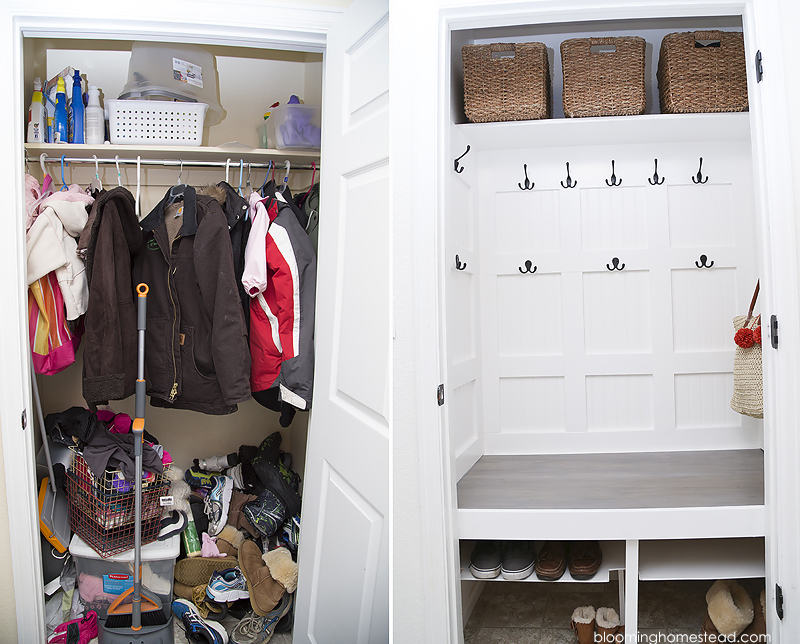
37, 121
60, 126
77, 109
94, 120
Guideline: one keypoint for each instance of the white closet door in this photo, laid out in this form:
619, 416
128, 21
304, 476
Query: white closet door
343, 590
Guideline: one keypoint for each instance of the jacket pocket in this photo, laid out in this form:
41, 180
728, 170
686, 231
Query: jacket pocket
158, 358
199, 383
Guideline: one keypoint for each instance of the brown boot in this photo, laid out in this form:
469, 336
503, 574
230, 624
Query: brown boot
229, 541
265, 591
198, 570
583, 623
729, 607
708, 630
757, 631
236, 517
608, 628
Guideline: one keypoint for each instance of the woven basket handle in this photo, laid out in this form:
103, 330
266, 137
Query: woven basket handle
594, 42
753, 303
709, 35
507, 48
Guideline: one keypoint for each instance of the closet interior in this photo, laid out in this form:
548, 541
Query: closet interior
249, 81
592, 268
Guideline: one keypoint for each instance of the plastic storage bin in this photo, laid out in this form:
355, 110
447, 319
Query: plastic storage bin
143, 122
174, 72
295, 126
100, 580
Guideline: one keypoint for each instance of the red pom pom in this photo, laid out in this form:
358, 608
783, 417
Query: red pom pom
757, 335
744, 338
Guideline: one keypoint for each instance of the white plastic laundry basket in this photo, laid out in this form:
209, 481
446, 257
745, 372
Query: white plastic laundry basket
145, 122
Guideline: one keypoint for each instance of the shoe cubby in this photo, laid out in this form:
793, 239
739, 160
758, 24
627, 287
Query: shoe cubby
694, 559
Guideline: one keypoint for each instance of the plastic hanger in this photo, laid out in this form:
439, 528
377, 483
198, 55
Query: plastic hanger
286, 177
266, 179
119, 174
47, 182
311, 187
247, 187
176, 191
138, 183
241, 172
64, 183
96, 183
227, 170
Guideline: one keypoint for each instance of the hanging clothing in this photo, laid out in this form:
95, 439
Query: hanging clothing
53, 343
282, 305
108, 242
52, 245
196, 352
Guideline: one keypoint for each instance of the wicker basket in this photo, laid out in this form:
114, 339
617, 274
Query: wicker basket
696, 78
506, 82
603, 83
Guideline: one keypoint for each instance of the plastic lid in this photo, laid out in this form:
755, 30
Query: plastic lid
155, 551
37, 84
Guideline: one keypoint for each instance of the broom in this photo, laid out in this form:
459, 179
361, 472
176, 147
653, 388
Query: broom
145, 608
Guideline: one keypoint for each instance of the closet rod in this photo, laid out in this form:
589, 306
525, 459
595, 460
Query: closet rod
278, 165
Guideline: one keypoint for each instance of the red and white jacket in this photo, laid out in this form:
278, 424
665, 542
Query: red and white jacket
280, 274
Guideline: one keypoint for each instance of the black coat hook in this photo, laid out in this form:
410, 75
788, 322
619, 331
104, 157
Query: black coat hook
528, 183
614, 181
570, 183
455, 162
698, 178
528, 264
617, 266
459, 265
702, 262
655, 181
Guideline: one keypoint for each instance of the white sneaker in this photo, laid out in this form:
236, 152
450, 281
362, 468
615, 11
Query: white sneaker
218, 503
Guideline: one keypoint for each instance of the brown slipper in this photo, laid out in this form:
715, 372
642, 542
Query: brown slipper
584, 559
551, 562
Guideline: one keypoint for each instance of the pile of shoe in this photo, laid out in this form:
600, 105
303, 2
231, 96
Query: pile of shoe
518, 559
732, 615
601, 625
246, 507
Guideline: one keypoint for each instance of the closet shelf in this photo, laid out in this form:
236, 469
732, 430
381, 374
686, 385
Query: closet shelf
612, 130
613, 559
172, 153
701, 559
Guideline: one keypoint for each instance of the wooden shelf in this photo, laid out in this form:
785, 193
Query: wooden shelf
611, 130
613, 559
174, 153
701, 559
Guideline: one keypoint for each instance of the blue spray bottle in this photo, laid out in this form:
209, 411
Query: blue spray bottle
60, 127
77, 109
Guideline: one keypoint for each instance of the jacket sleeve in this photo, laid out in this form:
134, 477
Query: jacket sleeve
254, 277
219, 295
292, 267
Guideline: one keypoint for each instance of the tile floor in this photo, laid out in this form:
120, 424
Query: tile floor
540, 613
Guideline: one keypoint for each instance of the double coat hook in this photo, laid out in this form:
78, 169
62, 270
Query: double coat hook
702, 263
698, 178
616, 265
528, 183
614, 181
528, 265
570, 183
458, 169
459, 265
655, 180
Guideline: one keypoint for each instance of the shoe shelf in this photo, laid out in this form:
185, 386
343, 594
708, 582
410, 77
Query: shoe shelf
613, 561
697, 559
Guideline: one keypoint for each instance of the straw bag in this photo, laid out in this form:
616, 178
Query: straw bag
748, 387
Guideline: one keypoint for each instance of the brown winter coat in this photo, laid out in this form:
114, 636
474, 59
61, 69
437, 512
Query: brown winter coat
109, 240
196, 348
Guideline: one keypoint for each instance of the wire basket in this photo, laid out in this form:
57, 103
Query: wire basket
140, 121
603, 76
102, 510
506, 82
702, 71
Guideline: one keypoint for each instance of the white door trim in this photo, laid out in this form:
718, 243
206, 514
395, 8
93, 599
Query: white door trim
302, 28
773, 195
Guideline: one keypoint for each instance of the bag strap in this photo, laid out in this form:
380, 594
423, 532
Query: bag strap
753, 303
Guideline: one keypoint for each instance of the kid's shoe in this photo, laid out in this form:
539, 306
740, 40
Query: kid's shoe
217, 504
227, 586
290, 536
254, 629
196, 477
197, 629
266, 514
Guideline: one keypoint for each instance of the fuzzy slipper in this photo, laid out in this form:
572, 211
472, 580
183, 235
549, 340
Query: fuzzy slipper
757, 631
583, 623
729, 607
608, 625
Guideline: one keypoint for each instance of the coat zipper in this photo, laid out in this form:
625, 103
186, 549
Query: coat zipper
174, 391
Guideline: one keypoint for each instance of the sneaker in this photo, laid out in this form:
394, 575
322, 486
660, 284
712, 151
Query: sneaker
227, 586
271, 479
518, 560
235, 473
291, 477
254, 629
290, 535
217, 463
217, 504
196, 477
486, 559
266, 514
198, 629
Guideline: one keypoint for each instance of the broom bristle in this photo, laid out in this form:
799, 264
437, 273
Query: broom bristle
154, 617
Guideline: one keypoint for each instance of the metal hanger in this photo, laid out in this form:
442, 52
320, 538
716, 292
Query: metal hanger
176, 192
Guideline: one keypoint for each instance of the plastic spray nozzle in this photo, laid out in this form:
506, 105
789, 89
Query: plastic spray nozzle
61, 87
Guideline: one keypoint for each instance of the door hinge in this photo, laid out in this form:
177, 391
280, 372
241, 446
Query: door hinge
779, 601
440, 395
773, 331
759, 67
24, 419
